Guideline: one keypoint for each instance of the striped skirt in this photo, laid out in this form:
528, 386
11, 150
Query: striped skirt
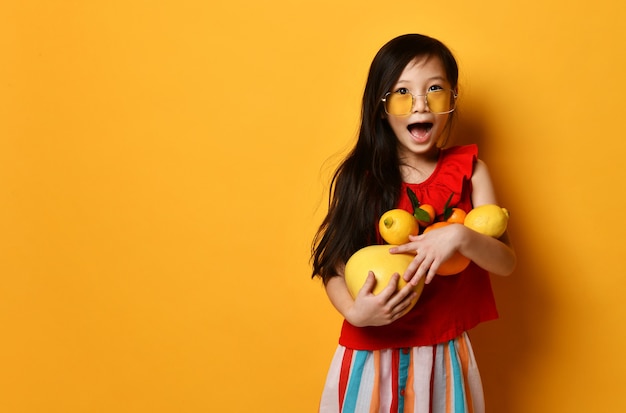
432, 379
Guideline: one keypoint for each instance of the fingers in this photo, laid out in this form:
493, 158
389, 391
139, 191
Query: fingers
432, 271
401, 308
429, 277
392, 296
391, 287
399, 302
411, 270
387, 292
418, 268
385, 306
369, 284
404, 248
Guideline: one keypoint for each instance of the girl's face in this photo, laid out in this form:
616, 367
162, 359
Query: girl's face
419, 131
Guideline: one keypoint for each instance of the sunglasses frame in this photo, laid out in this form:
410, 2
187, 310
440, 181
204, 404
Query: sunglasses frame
425, 96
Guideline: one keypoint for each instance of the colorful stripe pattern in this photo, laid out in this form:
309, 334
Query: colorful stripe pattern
432, 379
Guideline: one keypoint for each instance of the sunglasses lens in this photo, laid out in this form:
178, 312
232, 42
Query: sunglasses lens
440, 101
399, 104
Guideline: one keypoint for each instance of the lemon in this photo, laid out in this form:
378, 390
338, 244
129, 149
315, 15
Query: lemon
488, 219
396, 225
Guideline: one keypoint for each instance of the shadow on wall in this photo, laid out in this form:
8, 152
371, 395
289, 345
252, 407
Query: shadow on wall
506, 347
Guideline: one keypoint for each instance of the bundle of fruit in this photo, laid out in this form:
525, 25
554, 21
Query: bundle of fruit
397, 225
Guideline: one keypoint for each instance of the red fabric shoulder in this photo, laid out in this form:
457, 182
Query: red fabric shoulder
459, 162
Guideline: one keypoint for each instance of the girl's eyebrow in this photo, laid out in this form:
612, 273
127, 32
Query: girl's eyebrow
430, 79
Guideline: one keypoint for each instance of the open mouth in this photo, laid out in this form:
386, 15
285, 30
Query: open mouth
420, 130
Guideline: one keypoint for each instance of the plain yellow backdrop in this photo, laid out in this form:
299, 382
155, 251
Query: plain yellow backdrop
164, 166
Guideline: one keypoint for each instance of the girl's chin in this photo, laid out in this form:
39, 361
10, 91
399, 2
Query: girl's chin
428, 147
421, 140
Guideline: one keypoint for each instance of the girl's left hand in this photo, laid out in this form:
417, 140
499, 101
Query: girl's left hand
432, 249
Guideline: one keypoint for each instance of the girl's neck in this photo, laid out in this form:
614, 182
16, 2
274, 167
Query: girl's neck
418, 168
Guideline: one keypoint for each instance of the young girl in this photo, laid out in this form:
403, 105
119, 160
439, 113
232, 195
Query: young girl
422, 361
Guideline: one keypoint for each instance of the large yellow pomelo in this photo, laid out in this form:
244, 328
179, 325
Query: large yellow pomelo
383, 264
488, 219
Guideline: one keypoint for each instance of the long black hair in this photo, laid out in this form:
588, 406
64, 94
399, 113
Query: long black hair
367, 183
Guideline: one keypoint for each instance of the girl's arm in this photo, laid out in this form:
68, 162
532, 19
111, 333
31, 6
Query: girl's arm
368, 309
494, 255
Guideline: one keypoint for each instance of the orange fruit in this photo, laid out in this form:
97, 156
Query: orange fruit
435, 226
396, 225
454, 264
457, 216
428, 209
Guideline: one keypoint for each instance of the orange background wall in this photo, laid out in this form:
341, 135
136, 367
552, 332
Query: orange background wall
164, 165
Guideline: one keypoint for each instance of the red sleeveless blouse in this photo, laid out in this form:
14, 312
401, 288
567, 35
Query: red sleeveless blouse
448, 305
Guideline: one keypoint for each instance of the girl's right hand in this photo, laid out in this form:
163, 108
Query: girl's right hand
380, 309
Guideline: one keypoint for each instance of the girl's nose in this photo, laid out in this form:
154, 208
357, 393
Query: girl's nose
420, 104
